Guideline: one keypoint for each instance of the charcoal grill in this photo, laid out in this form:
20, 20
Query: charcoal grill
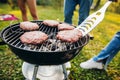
51, 52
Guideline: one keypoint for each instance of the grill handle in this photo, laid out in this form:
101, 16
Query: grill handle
11, 22
1, 42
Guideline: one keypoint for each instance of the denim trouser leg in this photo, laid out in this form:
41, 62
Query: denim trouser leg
69, 7
110, 50
84, 9
111, 57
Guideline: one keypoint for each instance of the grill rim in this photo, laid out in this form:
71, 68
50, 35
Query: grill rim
41, 57
14, 25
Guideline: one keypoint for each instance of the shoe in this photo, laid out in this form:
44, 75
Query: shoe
68, 65
91, 64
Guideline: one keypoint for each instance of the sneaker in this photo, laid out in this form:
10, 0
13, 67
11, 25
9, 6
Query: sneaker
91, 64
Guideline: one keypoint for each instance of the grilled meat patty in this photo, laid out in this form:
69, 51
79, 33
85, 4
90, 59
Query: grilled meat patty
33, 37
51, 23
65, 26
69, 35
29, 26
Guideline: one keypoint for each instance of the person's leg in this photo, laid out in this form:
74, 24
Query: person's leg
32, 8
112, 48
106, 54
69, 7
112, 55
22, 6
84, 9
109, 51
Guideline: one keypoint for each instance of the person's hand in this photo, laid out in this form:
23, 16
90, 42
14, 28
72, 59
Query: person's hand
69, 35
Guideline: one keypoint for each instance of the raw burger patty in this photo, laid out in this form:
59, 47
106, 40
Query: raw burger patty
51, 23
33, 37
69, 35
65, 26
29, 26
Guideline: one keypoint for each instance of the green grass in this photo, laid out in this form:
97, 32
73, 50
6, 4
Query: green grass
10, 65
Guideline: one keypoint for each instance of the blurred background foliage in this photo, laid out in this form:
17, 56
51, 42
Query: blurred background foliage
59, 3
115, 7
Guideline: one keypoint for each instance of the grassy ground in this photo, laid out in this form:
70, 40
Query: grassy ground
10, 65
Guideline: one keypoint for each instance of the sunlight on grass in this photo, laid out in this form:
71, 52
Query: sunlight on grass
10, 67
113, 18
16, 12
50, 13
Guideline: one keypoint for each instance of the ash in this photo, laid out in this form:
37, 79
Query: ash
51, 45
56, 45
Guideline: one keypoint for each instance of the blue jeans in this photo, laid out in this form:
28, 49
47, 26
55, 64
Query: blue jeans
107, 54
69, 7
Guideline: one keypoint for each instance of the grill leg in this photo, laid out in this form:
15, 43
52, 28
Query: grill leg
35, 72
64, 72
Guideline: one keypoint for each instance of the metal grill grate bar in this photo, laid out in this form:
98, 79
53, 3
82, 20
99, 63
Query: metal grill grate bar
52, 44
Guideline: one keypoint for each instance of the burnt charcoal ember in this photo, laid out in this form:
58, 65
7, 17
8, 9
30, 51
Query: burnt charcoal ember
57, 45
69, 46
52, 47
51, 44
